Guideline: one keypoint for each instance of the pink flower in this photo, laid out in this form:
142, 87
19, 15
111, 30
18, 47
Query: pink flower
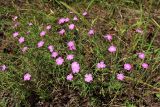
14, 18
50, 48
30, 24
48, 27
27, 77
84, 13
91, 32
16, 24
71, 26
24, 49
21, 40
112, 49
70, 77
71, 45
70, 57
61, 32
61, 21
141, 55
108, 37
40, 44
59, 61
28, 32
3, 67
75, 67
127, 66
67, 19
145, 65
75, 18
43, 33
139, 31
54, 54
120, 77
101, 65
15, 34
88, 78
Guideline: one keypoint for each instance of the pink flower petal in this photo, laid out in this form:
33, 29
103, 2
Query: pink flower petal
120, 77
88, 78
127, 67
40, 44
71, 26
69, 77
59, 61
75, 67
21, 40
27, 77
112, 49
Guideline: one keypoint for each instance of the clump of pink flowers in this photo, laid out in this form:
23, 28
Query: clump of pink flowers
75, 67
71, 26
120, 77
141, 55
145, 65
108, 37
50, 48
71, 45
75, 18
40, 44
127, 66
59, 61
67, 19
112, 49
15, 34
61, 32
27, 77
91, 32
24, 49
70, 57
21, 40
61, 21
84, 13
88, 78
48, 27
43, 33
69, 77
3, 67
54, 54
101, 65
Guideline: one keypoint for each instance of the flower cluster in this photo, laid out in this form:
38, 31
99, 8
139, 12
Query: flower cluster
71, 45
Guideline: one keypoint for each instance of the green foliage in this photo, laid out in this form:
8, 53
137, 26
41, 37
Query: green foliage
129, 104
158, 95
48, 82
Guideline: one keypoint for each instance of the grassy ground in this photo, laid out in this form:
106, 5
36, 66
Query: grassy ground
48, 86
